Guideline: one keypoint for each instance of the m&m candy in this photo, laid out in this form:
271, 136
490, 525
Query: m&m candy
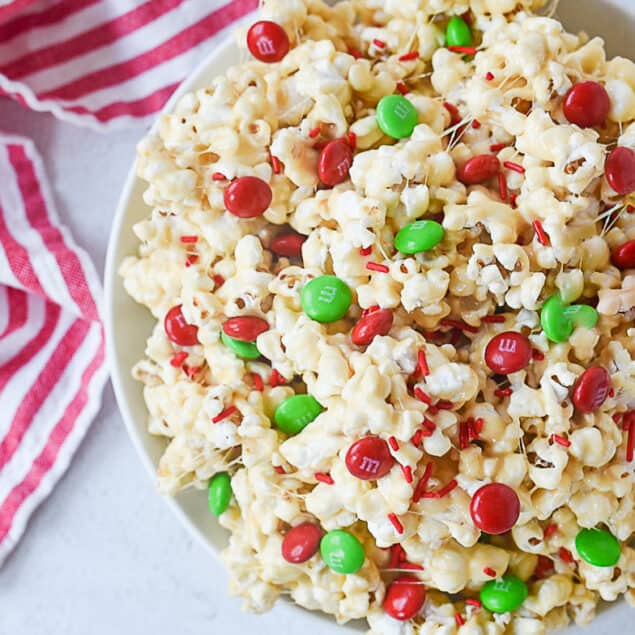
624, 256
598, 547
178, 330
508, 352
558, 320
422, 235
404, 597
503, 595
620, 170
289, 245
495, 508
591, 389
458, 33
342, 552
369, 458
301, 543
587, 104
245, 328
295, 413
396, 116
335, 161
478, 169
375, 323
267, 41
248, 197
326, 299
244, 350
219, 493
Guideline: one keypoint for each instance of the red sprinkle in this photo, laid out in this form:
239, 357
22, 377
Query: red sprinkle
402, 88
219, 281
466, 50
550, 531
393, 443
257, 379
423, 481
395, 523
375, 266
178, 359
276, 379
611, 393
397, 554
502, 186
541, 235
497, 147
192, 259
380, 44
407, 472
314, 132
191, 371
416, 437
512, 198
429, 425
455, 116
422, 396
218, 176
537, 355
189, 239
510, 165
463, 435
406, 57
565, 555
352, 139
442, 492
493, 319
355, 53
489, 76
279, 469
370, 309
490, 572
422, 363
556, 438
275, 164
459, 619
224, 414
478, 426
365, 251
630, 443
472, 602
459, 324
476, 124
323, 478
503, 392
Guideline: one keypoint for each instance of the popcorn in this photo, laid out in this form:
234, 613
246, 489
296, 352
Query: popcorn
449, 424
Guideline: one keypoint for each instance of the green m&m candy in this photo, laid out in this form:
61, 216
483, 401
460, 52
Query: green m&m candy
598, 547
326, 299
244, 350
458, 33
419, 236
396, 116
219, 493
295, 413
503, 595
558, 320
342, 552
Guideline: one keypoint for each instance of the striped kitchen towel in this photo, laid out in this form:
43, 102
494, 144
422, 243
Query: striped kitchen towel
98, 63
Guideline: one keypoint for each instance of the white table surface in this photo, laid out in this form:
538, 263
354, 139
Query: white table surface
103, 554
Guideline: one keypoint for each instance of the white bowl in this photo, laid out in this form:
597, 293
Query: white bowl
128, 324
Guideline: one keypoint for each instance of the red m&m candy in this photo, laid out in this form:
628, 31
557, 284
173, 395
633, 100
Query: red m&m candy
508, 352
178, 330
495, 508
478, 169
301, 543
376, 323
335, 161
591, 389
405, 597
624, 256
587, 104
248, 197
289, 245
620, 170
245, 328
369, 459
267, 41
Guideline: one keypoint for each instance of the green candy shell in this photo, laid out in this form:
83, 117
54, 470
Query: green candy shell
396, 116
244, 350
342, 552
556, 325
582, 315
219, 493
422, 235
295, 413
503, 595
598, 547
458, 33
326, 299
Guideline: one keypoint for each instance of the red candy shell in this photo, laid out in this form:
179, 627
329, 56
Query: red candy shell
587, 104
591, 389
248, 197
245, 328
301, 543
495, 508
508, 352
335, 162
267, 41
289, 245
376, 323
624, 256
478, 169
405, 597
178, 330
620, 170
369, 459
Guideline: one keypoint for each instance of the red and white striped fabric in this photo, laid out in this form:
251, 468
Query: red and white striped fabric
98, 63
